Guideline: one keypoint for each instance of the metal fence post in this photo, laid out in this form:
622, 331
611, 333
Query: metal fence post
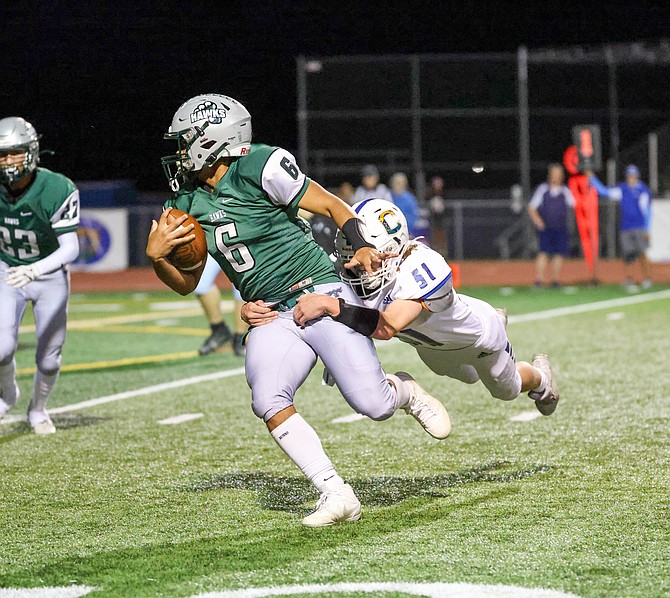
524, 121
653, 162
458, 230
417, 144
301, 76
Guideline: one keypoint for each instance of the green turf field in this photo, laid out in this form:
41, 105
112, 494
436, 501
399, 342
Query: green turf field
577, 503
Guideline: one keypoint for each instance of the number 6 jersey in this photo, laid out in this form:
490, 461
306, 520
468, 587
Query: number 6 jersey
31, 224
252, 225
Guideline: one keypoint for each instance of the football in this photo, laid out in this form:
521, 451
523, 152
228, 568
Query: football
191, 255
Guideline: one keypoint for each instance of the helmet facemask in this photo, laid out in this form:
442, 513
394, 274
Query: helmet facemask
179, 168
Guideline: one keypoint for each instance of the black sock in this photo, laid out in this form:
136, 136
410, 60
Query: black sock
218, 328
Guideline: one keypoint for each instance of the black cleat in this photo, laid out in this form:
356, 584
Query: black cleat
239, 348
217, 339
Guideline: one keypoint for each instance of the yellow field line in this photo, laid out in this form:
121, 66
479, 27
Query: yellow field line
96, 365
151, 330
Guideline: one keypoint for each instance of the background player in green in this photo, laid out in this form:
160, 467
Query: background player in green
39, 213
246, 200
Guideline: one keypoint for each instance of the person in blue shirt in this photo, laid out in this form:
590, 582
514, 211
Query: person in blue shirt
370, 186
405, 200
548, 209
635, 198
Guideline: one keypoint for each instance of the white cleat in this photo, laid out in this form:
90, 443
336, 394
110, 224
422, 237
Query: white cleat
4, 408
427, 410
333, 507
546, 402
12, 397
41, 423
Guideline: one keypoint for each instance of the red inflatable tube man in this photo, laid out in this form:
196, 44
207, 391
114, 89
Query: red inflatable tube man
586, 208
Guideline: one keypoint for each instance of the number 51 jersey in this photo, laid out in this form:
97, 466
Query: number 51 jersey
448, 321
253, 229
29, 228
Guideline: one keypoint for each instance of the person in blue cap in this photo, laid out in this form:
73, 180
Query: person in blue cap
635, 198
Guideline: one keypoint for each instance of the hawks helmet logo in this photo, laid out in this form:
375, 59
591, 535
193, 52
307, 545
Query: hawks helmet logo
209, 111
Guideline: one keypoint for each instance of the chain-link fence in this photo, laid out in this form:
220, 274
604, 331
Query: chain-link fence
485, 122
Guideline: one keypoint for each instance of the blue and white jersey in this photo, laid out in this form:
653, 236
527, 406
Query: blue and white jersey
449, 321
635, 202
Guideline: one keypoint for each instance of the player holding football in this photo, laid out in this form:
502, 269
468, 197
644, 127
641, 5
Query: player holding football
39, 214
246, 199
412, 297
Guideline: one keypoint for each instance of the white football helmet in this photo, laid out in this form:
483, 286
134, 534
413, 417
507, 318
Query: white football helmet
206, 128
18, 136
386, 229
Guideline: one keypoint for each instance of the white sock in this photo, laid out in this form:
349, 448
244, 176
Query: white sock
543, 384
402, 390
301, 443
43, 386
8, 388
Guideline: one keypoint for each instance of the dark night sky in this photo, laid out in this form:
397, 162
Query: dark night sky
101, 83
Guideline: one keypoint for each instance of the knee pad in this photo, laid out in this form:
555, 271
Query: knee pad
266, 407
377, 412
7, 350
48, 364
505, 393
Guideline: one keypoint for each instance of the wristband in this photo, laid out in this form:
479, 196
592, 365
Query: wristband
353, 231
363, 320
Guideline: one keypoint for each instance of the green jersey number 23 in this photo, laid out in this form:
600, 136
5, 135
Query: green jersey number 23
26, 238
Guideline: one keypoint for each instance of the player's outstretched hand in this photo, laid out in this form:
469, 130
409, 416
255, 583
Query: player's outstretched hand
313, 306
164, 236
369, 259
256, 313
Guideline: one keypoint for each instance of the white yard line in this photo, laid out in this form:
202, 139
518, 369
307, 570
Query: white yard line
180, 419
130, 394
347, 419
525, 416
587, 307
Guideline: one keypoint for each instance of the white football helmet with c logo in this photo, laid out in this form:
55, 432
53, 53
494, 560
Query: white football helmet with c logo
206, 128
386, 229
18, 136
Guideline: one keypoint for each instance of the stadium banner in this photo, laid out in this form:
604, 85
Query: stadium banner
103, 240
659, 246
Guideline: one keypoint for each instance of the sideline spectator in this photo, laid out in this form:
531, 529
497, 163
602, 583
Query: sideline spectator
438, 216
346, 192
548, 209
635, 198
405, 200
370, 186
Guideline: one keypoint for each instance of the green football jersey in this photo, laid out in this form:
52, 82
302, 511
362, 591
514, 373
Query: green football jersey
30, 225
253, 229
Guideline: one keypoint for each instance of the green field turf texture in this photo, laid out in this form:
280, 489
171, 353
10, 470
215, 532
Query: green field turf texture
577, 502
